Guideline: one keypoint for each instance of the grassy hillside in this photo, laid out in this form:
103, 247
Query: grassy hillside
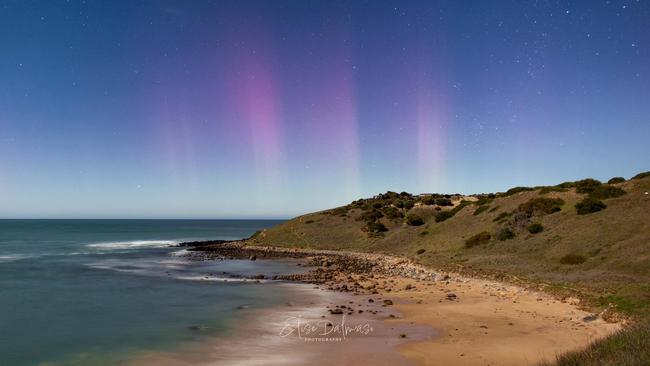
587, 237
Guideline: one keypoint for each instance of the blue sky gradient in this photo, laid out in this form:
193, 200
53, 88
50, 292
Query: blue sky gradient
230, 109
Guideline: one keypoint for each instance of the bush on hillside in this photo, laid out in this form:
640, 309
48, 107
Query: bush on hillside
414, 219
444, 215
541, 205
549, 189
485, 199
339, 211
566, 185
586, 185
478, 239
376, 227
505, 234
481, 209
392, 212
420, 251
606, 191
494, 208
589, 205
443, 202
370, 216
398, 203
514, 190
572, 259
641, 175
428, 200
535, 228
409, 204
616, 180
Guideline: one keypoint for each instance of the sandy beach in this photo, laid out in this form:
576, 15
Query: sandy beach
414, 320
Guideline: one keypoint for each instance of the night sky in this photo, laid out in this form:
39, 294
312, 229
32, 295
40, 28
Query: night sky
220, 109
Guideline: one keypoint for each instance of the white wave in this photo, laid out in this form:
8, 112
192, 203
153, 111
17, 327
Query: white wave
136, 244
179, 253
13, 257
217, 279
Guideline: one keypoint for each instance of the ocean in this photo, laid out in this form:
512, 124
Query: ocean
95, 292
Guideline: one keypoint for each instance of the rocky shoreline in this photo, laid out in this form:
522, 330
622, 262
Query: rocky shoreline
361, 273
461, 310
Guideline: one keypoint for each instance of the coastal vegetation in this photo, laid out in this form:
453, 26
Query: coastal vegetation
478, 239
584, 239
616, 180
589, 205
535, 228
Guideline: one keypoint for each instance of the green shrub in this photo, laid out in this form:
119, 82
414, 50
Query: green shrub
589, 205
376, 227
566, 185
541, 205
409, 204
494, 208
481, 209
377, 205
428, 200
398, 203
339, 211
641, 175
586, 185
505, 234
502, 216
309, 222
370, 216
616, 180
484, 200
549, 189
414, 219
444, 215
392, 212
443, 202
420, 251
514, 190
535, 228
572, 259
606, 191
478, 239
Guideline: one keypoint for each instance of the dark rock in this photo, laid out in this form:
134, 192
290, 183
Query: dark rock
451, 296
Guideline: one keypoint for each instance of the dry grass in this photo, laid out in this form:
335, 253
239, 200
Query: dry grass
628, 347
614, 243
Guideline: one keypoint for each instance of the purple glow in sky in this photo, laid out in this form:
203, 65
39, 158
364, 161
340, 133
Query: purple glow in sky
275, 108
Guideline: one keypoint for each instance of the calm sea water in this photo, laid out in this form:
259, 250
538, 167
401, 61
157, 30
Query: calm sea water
90, 292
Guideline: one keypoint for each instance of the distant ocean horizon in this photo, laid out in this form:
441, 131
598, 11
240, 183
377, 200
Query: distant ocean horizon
94, 291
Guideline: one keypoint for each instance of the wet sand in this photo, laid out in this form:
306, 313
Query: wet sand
417, 317
305, 332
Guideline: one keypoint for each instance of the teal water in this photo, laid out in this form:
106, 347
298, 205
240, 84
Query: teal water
88, 292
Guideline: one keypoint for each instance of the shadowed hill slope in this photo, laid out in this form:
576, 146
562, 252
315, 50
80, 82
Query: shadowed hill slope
585, 236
